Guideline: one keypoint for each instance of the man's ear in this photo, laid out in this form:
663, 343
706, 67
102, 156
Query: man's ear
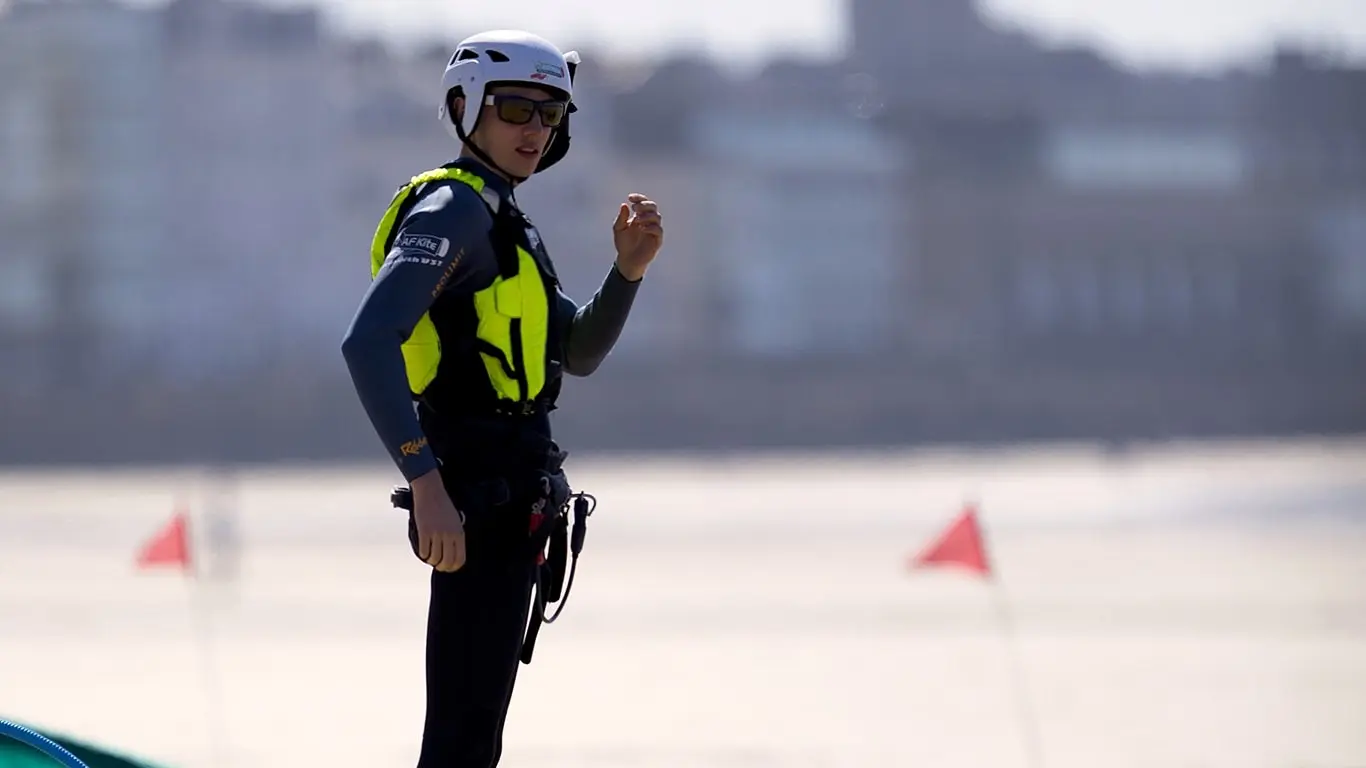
457, 107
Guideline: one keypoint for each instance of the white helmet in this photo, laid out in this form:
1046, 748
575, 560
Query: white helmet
500, 57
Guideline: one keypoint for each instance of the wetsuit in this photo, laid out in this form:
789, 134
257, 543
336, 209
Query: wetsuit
442, 251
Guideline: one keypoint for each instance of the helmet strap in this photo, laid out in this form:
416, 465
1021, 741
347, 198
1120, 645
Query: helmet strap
483, 156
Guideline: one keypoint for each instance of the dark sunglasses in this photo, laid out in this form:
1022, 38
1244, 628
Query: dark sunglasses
518, 110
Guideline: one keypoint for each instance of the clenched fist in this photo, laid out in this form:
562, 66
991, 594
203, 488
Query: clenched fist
638, 234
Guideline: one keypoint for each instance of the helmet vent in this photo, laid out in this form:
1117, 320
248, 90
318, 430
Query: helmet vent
497, 56
464, 54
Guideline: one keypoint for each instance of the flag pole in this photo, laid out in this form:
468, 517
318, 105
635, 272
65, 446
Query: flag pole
963, 545
1028, 717
202, 633
173, 545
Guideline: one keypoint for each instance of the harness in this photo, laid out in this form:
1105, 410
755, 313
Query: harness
554, 540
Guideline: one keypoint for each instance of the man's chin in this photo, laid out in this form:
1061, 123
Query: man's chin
521, 166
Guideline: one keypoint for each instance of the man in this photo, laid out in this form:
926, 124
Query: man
465, 317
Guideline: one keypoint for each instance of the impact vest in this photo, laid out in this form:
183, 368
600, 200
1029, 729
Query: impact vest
504, 334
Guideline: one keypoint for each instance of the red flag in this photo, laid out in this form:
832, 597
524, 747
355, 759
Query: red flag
170, 546
960, 545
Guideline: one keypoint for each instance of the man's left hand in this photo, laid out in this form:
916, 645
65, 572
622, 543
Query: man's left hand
638, 234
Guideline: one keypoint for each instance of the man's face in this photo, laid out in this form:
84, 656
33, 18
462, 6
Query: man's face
514, 130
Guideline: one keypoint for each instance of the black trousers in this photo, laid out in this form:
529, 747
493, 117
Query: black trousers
476, 622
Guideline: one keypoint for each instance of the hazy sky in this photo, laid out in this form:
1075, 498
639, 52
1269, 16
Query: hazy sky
1197, 33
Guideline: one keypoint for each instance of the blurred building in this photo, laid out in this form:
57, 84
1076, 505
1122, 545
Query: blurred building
1072, 214
792, 206
955, 232
82, 191
806, 246
257, 141
1307, 121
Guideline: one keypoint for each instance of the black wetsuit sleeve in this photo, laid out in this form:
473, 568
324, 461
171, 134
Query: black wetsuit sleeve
440, 247
590, 331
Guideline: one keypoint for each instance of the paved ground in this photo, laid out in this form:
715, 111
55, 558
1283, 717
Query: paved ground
1189, 608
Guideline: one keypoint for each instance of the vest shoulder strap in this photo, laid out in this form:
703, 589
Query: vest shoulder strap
508, 236
404, 198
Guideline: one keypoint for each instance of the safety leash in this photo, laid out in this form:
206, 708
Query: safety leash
550, 572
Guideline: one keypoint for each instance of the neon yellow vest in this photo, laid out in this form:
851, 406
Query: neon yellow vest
513, 313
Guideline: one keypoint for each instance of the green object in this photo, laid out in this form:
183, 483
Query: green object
14, 754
